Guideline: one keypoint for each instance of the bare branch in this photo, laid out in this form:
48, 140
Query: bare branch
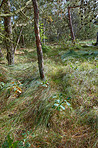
3, 1
15, 12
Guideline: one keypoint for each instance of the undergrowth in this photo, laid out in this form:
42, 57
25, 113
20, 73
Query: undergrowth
60, 112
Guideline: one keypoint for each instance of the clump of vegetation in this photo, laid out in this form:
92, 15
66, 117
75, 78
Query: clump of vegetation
46, 48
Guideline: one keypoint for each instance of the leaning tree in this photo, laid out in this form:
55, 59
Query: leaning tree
38, 41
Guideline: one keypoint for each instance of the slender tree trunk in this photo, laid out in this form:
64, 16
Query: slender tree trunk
38, 42
70, 26
23, 41
8, 34
18, 39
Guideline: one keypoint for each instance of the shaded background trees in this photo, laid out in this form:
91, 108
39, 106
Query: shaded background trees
54, 17
55, 23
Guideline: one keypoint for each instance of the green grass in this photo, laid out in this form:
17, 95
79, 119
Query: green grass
27, 103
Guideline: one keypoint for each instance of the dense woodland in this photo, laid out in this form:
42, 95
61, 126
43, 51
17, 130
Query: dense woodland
48, 73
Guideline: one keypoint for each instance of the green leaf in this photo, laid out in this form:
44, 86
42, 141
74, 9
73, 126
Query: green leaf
68, 103
62, 107
15, 89
68, 98
23, 134
58, 108
58, 101
44, 85
54, 97
2, 83
56, 104
71, 66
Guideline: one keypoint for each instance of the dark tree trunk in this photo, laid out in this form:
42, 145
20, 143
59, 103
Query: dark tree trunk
8, 34
38, 42
96, 44
23, 41
70, 26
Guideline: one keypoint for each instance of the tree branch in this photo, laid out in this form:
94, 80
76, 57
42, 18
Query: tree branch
3, 1
15, 12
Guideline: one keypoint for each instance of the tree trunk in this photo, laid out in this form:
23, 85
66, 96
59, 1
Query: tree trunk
18, 39
23, 41
38, 42
96, 44
8, 34
70, 26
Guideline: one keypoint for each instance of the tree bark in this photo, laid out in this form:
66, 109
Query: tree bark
70, 26
8, 34
38, 42
23, 41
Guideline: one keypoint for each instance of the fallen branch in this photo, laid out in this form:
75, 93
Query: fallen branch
18, 39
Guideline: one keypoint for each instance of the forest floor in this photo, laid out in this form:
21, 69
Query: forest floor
60, 112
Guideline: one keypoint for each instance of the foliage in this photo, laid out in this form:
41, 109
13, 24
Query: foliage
8, 143
12, 86
24, 143
42, 33
1, 85
60, 103
46, 48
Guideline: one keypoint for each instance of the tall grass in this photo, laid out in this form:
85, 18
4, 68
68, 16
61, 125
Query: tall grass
28, 104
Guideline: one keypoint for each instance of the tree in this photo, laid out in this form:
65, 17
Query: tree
8, 33
71, 26
38, 42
